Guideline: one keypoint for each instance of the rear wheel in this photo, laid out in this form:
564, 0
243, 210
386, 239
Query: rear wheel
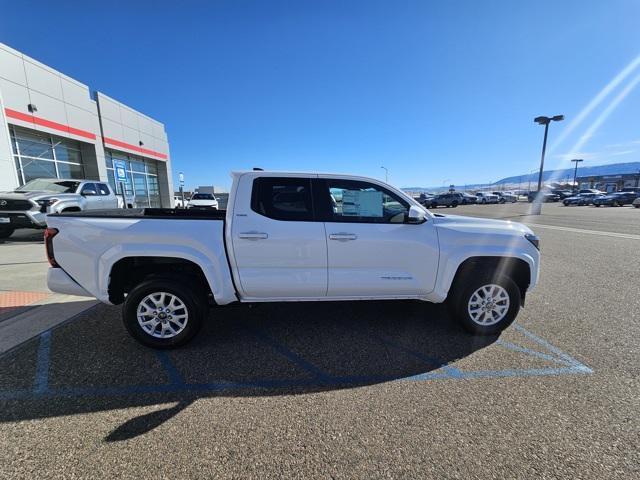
485, 304
163, 312
454, 204
6, 232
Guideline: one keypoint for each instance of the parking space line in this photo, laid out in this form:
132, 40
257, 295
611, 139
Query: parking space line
41, 380
282, 350
170, 369
534, 353
551, 348
630, 236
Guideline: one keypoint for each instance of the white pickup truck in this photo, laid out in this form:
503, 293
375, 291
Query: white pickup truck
290, 237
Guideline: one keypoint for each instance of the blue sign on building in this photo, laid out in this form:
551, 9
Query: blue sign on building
120, 170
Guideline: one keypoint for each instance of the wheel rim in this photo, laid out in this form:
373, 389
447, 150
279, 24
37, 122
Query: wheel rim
162, 315
488, 305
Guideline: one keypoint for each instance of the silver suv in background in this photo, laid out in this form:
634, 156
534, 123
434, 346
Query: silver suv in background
28, 206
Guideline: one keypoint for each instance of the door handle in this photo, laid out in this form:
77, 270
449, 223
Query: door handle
343, 237
253, 235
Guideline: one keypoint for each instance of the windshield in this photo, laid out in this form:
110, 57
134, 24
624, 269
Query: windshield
46, 185
203, 196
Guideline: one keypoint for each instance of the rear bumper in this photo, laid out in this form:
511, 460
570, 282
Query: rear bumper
60, 282
28, 219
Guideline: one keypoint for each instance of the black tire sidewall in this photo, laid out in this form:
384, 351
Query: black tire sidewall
192, 299
6, 232
461, 299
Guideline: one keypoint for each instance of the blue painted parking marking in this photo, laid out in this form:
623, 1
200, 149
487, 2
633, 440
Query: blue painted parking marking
562, 364
41, 381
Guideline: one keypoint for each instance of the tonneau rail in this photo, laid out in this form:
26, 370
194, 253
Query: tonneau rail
156, 213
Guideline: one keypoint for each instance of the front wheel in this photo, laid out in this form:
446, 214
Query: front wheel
487, 304
164, 313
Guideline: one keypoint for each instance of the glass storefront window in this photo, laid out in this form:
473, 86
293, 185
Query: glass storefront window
70, 170
33, 145
142, 179
32, 168
39, 155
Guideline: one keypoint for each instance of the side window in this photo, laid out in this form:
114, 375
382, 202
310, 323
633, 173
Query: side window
103, 189
89, 189
363, 202
284, 198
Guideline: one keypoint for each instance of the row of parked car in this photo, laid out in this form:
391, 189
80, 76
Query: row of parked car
588, 196
597, 198
453, 199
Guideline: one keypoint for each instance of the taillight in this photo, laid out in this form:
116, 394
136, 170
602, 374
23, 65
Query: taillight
49, 233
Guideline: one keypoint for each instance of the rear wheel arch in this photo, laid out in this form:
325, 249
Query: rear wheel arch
129, 272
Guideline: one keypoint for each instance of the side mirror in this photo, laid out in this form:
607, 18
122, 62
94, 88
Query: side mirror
88, 193
416, 215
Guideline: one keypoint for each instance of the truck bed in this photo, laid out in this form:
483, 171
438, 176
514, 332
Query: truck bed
159, 213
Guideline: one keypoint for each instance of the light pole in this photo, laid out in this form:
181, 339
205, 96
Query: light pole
386, 174
536, 208
530, 173
181, 178
575, 172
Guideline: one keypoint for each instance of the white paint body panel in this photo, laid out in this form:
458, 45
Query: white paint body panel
272, 260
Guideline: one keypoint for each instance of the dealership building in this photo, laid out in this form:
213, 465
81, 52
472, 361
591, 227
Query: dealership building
53, 126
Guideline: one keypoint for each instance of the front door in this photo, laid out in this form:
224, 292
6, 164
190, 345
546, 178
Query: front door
279, 249
372, 249
90, 193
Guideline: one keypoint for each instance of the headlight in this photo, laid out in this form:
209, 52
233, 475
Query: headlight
46, 203
534, 239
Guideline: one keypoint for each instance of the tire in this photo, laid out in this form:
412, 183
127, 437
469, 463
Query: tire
470, 290
6, 232
483, 201
596, 205
190, 301
454, 204
566, 204
502, 200
434, 205
637, 206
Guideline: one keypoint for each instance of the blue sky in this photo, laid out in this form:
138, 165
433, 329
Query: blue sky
436, 91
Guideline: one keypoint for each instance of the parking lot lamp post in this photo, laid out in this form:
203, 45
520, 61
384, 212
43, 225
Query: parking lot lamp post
181, 178
386, 174
536, 208
575, 172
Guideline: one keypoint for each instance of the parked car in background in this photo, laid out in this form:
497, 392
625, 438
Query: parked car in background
284, 236
545, 196
617, 199
177, 201
592, 190
636, 202
581, 199
504, 197
486, 197
28, 205
203, 201
631, 189
468, 199
563, 193
445, 200
424, 198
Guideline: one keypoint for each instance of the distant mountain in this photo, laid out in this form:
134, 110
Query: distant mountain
547, 175
567, 173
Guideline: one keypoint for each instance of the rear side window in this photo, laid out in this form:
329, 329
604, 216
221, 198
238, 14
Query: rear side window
102, 189
283, 198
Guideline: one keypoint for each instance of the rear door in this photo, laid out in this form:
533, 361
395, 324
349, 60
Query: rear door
372, 250
279, 248
108, 199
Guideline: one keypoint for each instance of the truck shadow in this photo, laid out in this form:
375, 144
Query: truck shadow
92, 365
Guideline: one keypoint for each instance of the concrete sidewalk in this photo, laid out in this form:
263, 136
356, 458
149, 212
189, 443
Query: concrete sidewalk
27, 306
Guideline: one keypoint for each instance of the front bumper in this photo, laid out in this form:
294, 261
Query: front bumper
24, 219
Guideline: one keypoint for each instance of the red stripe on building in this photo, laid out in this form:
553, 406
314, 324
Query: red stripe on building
25, 117
135, 148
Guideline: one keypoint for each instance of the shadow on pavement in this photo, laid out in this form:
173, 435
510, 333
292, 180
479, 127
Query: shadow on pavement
91, 364
24, 236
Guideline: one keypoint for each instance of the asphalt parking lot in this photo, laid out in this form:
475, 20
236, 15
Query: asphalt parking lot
353, 390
